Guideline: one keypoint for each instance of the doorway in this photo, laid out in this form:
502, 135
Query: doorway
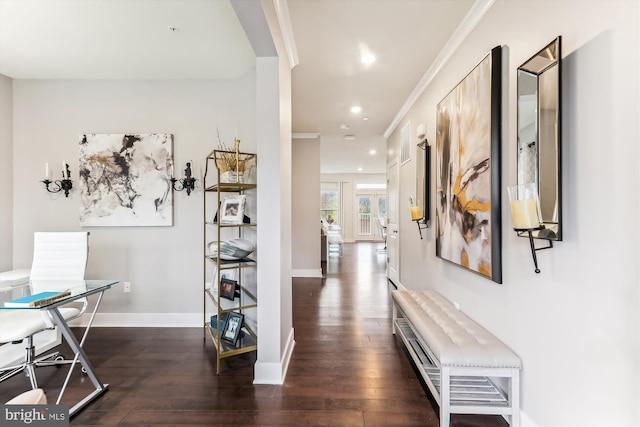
371, 211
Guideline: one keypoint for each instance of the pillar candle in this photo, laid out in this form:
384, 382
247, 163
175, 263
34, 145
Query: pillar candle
525, 213
47, 173
416, 213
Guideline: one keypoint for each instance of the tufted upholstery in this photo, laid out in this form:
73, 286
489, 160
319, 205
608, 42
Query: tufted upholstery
454, 338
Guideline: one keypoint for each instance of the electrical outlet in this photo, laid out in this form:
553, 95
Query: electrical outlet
127, 287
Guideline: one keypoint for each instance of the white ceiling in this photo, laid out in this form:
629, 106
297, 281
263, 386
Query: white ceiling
131, 39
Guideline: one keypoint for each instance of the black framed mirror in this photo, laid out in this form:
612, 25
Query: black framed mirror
539, 134
423, 192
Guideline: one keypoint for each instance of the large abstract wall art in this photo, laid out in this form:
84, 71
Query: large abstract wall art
468, 219
125, 180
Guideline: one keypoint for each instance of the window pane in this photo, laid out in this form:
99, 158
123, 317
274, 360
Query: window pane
364, 215
382, 207
329, 201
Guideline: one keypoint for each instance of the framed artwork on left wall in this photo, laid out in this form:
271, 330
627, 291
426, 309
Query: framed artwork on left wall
468, 136
125, 180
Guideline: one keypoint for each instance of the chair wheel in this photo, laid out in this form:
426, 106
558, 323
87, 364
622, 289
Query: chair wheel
84, 370
59, 358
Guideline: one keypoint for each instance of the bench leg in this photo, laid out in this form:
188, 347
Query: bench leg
394, 316
445, 400
514, 398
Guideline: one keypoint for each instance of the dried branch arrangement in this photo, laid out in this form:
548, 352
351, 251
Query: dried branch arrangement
229, 160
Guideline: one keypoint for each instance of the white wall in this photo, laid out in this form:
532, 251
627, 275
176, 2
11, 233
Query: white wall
164, 264
6, 172
305, 189
576, 324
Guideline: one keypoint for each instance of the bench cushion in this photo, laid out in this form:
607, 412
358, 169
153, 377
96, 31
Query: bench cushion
454, 338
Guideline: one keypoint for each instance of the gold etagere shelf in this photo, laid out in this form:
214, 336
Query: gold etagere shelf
234, 173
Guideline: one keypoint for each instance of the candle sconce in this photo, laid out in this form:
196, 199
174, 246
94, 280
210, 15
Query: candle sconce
65, 184
187, 183
525, 212
417, 216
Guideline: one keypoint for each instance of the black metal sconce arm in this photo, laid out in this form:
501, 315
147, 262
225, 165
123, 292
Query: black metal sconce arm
425, 225
529, 231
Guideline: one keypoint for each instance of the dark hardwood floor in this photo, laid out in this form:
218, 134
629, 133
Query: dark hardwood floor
347, 369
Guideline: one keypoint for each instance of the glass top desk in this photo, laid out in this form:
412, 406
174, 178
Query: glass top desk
13, 289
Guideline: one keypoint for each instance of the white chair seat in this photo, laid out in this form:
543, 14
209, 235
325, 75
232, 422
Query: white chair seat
15, 274
18, 324
31, 397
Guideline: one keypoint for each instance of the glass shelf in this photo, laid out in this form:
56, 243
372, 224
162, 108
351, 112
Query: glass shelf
245, 301
229, 264
215, 224
247, 341
230, 187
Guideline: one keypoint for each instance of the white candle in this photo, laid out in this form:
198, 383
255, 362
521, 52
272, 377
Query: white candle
47, 173
416, 213
171, 171
525, 213
63, 168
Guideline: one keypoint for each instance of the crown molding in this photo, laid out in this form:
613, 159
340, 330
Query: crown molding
470, 21
284, 22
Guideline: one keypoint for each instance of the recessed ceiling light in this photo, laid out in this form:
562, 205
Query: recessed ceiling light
359, 169
372, 152
368, 58
344, 126
349, 137
365, 118
356, 109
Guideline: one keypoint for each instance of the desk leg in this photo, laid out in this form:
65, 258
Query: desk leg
84, 360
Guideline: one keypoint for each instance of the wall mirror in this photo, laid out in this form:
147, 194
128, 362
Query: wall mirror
423, 172
539, 132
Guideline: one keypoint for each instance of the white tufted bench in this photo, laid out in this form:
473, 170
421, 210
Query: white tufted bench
457, 358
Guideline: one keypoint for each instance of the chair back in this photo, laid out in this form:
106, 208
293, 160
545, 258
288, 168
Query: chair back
60, 255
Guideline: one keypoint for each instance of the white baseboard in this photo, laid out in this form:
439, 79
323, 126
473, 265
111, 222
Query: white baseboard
307, 273
143, 320
275, 373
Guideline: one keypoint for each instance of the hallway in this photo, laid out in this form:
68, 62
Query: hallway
347, 369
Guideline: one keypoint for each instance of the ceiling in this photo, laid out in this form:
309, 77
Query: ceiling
203, 39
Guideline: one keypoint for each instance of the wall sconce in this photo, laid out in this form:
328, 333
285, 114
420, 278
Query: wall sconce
417, 216
187, 183
65, 184
525, 211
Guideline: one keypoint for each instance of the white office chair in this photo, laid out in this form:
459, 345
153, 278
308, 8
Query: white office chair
31, 397
56, 256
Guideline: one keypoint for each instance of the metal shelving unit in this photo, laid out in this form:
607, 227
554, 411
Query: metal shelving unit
245, 300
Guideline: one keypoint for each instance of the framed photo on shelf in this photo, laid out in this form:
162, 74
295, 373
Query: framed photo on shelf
232, 209
228, 288
230, 274
232, 327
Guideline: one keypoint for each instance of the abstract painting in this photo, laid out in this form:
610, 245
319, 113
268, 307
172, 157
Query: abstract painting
125, 180
468, 219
